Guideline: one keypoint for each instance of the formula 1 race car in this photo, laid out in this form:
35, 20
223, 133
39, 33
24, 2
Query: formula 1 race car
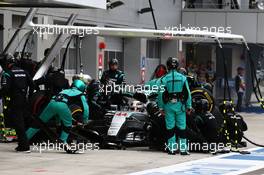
136, 120
143, 125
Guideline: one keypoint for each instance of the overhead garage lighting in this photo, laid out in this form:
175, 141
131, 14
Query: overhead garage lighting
112, 5
149, 9
145, 10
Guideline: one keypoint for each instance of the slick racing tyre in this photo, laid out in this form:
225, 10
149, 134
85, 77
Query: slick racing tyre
73, 138
80, 134
201, 93
38, 102
76, 112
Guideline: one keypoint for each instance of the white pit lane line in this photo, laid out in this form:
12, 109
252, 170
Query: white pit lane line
226, 164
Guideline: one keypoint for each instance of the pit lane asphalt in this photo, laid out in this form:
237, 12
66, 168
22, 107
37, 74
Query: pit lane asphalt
105, 161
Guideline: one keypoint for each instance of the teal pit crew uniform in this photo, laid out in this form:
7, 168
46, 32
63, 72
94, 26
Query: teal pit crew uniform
155, 86
176, 98
59, 105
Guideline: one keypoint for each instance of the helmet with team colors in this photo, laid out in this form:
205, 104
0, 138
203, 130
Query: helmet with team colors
80, 85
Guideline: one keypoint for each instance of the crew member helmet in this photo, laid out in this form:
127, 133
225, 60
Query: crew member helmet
80, 85
172, 63
7, 61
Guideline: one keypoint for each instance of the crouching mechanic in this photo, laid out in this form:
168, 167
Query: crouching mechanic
176, 99
59, 106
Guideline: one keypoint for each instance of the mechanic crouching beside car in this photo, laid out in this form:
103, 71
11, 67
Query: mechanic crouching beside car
176, 100
59, 106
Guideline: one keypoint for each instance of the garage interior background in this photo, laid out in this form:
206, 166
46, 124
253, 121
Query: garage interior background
130, 52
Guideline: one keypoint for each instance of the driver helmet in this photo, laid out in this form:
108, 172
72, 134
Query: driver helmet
136, 106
